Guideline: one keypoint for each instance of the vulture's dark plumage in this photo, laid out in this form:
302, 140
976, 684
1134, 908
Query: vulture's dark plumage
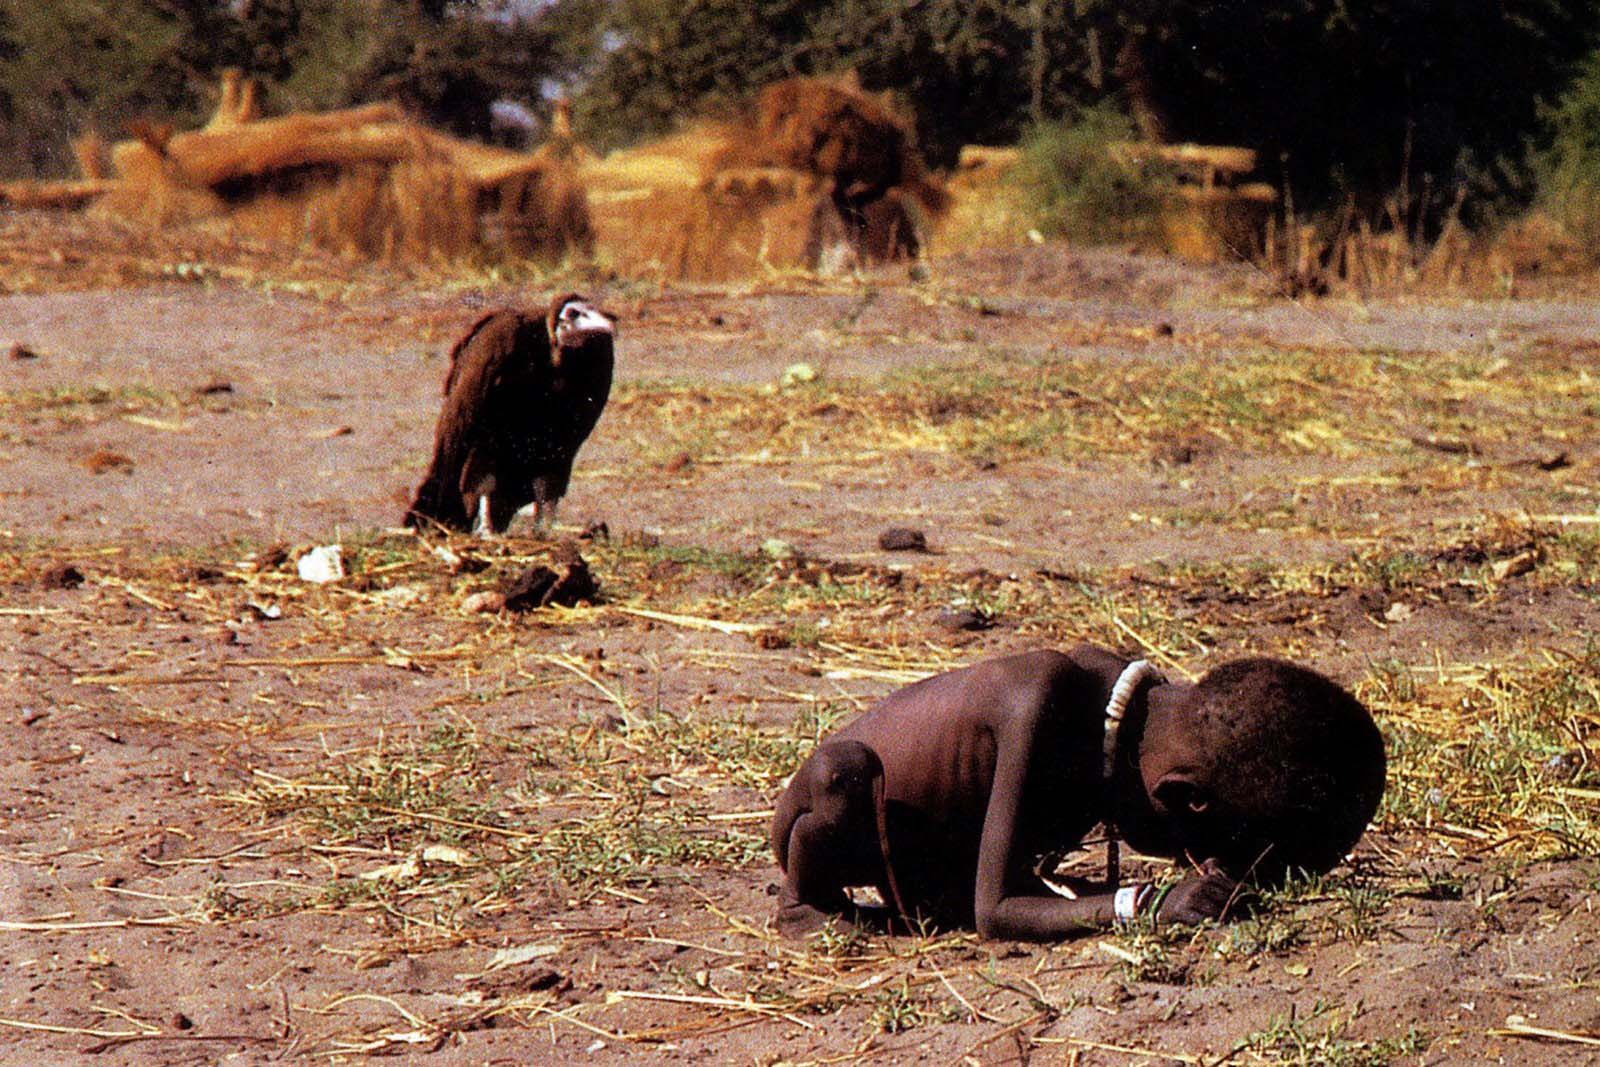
521, 395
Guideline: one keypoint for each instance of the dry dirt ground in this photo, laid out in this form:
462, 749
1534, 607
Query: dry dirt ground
247, 818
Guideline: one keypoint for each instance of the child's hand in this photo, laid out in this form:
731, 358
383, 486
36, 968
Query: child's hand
1202, 896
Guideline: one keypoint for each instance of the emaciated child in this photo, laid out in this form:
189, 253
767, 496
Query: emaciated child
946, 795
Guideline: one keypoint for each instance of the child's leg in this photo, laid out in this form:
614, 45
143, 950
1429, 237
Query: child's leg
827, 834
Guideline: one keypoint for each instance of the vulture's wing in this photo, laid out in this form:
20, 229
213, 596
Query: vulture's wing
465, 341
488, 381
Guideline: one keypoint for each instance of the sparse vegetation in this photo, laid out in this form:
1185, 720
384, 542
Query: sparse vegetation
420, 822
1080, 189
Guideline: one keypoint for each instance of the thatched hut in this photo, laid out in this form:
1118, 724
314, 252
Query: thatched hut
815, 175
366, 180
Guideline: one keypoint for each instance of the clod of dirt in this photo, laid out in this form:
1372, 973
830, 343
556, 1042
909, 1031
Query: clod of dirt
771, 639
214, 387
484, 602
903, 539
539, 586
1164, 329
1553, 462
20, 351
1179, 451
61, 576
681, 461
595, 531
962, 619
269, 558
197, 573
331, 432
104, 459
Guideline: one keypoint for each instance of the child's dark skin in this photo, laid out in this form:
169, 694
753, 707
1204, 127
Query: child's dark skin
978, 773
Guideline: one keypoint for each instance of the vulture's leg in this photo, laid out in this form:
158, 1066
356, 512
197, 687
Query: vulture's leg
482, 526
544, 514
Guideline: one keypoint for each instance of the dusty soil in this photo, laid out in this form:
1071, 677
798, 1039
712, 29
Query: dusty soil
247, 818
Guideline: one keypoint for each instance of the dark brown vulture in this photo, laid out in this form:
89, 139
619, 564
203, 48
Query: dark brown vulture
521, 395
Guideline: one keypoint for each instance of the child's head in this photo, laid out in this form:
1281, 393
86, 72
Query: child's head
1266, 766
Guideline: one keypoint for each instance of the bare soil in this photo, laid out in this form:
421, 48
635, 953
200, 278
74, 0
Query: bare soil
247, 818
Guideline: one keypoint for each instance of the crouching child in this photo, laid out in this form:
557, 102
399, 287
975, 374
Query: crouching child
947, 794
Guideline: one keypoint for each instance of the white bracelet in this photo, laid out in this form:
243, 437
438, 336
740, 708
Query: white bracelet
1125, 905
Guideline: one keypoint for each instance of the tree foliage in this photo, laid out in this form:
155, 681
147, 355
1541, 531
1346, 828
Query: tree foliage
1344, 99
1355, 99
70, 65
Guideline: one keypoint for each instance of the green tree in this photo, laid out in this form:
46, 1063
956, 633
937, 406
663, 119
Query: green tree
1357, 100
73, 64
1345, 99
975, 69
1568, 162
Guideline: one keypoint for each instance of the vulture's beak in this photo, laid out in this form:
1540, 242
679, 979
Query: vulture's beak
578, 323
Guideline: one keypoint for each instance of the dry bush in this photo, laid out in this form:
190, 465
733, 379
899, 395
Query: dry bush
1397, 253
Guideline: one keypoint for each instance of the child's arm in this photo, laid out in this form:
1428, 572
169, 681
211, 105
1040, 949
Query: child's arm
1000, 910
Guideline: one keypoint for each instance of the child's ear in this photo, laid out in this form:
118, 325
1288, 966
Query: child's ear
1178, 794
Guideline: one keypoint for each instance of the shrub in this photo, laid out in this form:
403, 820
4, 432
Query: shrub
1568, 166
1079, 188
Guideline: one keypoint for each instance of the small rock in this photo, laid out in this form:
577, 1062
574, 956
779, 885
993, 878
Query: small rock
797, 374
1164, 329
214, 387
903, 539
679, 462
61, 576
484, 602
1553, 462
775, 548
595, 531
180, 1021
962, 619
1565, 765
32, 715
102, 460
321, 565
1399, 612
20, 351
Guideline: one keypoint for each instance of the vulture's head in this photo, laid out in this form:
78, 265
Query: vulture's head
573, 323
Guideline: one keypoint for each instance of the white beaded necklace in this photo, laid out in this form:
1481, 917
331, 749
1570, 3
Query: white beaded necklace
1128, 682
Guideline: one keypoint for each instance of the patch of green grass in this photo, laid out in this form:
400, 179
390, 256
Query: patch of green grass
1502, 754
1320, 1038
896, 1009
